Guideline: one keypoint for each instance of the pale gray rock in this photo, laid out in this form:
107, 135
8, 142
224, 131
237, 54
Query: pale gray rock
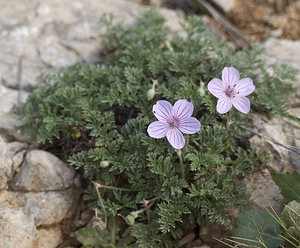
49, 237
48, 208
54, 54
287, 50
10, 198
295, 157
6, 164
26, 54
49, 36
264, 191
272, 133
10, 126
16, 228
44, 208
42, 171
11, 157
225, 5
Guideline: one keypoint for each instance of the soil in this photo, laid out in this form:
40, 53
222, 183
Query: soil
259, 19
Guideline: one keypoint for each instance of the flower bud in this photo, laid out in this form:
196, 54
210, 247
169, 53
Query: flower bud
150, 94
169, 46
130, 219
104, 164
201, 92
201, 89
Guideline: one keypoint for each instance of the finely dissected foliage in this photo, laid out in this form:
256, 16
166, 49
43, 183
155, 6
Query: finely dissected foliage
100, 116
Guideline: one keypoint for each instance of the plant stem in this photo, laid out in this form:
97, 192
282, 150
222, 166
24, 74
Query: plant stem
229, 120
111, 187
101, 203
181, 163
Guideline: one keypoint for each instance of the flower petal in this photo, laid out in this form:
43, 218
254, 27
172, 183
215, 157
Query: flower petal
224, 105
242, 104
162, 110
175, 138
158, 129
183, 109
230, 76
190, 125
245, 87
216, 87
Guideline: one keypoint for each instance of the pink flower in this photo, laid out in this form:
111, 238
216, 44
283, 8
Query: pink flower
231, 91
96, 222
172, 120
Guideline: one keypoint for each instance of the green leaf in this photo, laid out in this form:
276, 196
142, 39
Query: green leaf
289, 185
255, 225
89, 236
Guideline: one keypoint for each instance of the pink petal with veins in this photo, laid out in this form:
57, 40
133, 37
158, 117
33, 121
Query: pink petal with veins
224, 105
175, 138
162, 110
158, 129
216, 87
230, 76
245, 86
183, 109
190, 125
242, 104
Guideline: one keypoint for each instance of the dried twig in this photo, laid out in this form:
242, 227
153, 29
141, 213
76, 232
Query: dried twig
290, 148
240, 40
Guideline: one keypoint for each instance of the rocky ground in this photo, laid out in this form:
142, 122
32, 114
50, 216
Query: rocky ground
40, 195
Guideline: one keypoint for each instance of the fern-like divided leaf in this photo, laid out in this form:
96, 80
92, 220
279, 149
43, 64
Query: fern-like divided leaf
98, 114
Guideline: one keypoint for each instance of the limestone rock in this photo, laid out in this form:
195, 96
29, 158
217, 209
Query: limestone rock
11, 157
264, 191
44, 208
284, 51
47, 35
48, 237
54, 54
274, 132
287, 50
12, 199
225, 5
31, 66
48, 208
9, 125
42, 171
16, 229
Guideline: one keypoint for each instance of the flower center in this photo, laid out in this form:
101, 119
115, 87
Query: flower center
174, 122
231, 91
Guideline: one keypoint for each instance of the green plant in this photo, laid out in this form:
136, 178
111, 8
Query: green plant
289, 185
258, 228
98, 115
291, 220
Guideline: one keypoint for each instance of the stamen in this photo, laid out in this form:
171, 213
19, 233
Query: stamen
230, 92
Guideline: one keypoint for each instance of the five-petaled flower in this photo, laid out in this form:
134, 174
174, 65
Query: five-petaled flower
231, 90
173, 121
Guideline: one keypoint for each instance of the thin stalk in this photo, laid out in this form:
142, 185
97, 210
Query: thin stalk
101, 203
147, 204
111, 187
181, 163
228, 120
